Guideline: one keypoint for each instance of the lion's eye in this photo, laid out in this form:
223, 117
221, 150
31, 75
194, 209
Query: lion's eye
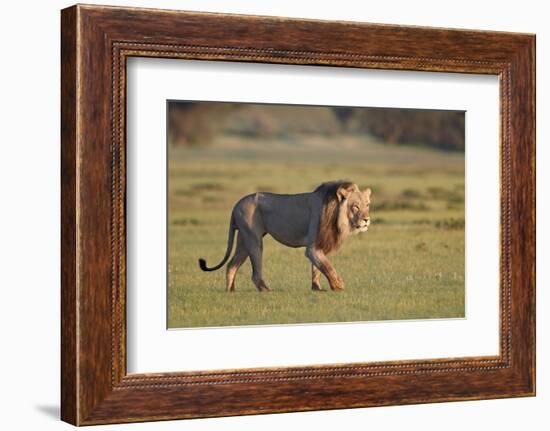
355, 208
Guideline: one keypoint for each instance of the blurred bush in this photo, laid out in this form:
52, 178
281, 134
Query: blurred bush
440, 129
199, 123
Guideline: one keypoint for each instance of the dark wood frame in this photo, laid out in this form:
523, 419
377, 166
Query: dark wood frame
95, 43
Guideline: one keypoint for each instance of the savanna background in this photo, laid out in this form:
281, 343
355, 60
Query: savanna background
409, 265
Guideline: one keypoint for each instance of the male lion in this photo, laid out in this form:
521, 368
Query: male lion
319, 220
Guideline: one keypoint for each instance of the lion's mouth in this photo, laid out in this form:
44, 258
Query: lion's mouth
363, 227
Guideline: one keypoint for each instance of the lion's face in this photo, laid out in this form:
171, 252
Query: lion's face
357, 205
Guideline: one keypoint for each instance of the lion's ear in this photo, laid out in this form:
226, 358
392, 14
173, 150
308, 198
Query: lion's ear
367, 193
343, 192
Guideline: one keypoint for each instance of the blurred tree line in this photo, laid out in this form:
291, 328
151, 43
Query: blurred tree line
198, 123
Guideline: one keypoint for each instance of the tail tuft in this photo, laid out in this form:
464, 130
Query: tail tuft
230, 236
202, 264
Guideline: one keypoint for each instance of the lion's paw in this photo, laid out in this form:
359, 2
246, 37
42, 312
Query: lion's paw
338, 285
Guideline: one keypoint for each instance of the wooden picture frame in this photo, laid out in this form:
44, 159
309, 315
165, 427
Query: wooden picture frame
95, 43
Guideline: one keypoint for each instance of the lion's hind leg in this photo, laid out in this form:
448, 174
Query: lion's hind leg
235, 263
255, 252
251, 232
254, 246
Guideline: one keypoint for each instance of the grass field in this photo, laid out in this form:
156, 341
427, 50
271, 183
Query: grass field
409, 265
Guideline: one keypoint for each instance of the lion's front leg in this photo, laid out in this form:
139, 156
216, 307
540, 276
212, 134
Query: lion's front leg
316, 279
320, 261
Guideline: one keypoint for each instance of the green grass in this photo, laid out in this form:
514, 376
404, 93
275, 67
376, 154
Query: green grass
409, 265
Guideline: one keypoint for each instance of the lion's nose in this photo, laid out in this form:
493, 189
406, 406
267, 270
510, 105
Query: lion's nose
367, 220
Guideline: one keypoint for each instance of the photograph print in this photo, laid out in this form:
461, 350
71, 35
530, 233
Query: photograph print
294, 214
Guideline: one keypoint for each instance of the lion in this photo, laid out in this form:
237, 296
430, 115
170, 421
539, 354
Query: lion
318, 220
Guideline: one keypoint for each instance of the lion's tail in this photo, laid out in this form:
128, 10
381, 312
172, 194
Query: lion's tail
232, 228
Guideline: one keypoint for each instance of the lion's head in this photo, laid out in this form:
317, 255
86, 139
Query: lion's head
355, 205
345, 211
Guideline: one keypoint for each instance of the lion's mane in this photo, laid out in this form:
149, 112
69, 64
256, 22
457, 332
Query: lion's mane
333, 228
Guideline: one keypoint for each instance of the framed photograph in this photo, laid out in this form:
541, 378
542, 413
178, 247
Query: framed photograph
263, 214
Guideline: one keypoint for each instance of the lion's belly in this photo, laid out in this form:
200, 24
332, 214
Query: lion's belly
286, 218
299, 241
288, 230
